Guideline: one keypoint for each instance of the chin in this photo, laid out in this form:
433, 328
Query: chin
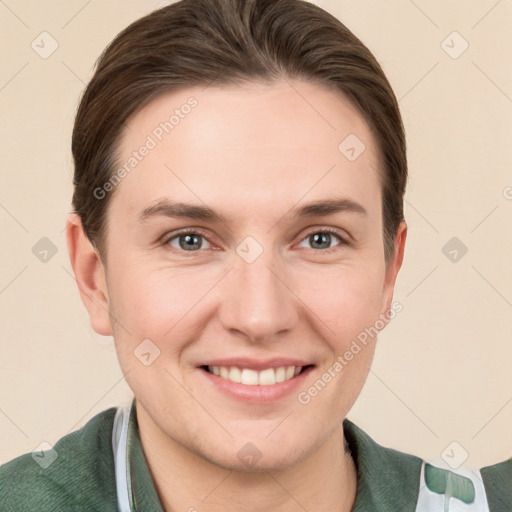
257, 454
257, 463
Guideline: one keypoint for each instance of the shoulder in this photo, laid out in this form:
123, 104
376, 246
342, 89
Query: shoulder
76, 474
498, 485
387, 479
390, 480
374, 459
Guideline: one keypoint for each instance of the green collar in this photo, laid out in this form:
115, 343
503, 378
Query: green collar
387, 479
498, 485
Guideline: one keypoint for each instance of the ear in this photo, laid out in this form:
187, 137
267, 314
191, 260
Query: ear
393, 267
89, 275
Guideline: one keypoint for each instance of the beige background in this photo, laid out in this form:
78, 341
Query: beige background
442, 371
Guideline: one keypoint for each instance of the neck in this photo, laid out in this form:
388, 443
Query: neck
324, 481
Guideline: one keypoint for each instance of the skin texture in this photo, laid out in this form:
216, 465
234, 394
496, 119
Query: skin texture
253, 154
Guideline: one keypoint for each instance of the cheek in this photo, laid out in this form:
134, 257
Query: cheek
346, 300
347, 304
347, 308
158, 304
155, 311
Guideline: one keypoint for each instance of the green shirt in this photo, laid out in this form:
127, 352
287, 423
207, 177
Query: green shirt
78, 474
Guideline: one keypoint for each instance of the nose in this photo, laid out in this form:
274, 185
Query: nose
259, 303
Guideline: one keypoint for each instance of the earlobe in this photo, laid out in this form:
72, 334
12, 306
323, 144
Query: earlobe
394, 266
89, 274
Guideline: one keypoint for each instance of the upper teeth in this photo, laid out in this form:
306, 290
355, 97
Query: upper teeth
266, 377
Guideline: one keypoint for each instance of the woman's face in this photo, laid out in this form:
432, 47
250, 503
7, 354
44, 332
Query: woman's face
262, 281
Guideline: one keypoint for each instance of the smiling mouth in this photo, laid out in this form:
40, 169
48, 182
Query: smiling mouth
249, 377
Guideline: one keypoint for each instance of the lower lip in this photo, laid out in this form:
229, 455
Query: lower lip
257, 394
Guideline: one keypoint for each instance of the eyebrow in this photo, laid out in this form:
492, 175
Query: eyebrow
320, 208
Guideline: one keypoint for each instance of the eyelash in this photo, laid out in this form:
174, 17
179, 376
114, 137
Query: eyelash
195, 231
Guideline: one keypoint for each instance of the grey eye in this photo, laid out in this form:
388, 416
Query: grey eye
188, 241
321, 240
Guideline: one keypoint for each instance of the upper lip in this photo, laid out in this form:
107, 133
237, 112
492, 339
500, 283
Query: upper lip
256, 364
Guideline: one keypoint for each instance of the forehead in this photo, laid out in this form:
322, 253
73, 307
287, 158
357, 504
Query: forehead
266, 143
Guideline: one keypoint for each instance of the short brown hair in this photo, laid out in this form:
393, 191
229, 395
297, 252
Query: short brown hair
203, 42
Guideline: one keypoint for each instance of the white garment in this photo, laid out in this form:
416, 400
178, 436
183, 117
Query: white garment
120, 448
429, 501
